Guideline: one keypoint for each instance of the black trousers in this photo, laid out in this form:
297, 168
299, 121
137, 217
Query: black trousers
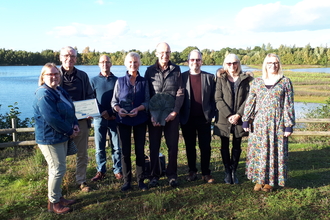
139, 135
230, 162
198, 127
171, 133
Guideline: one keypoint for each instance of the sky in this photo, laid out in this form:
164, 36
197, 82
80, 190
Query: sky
115, 25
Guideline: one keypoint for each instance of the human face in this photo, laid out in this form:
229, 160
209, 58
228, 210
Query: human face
273, 65
133, 65
51, 77
105, 64
232, 65
163, 53
195, 62
68, 59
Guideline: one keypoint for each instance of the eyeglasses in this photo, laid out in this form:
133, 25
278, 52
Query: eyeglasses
197, 60
233, 63
104, 62
164, 52
52, 74
273, 63
66, 56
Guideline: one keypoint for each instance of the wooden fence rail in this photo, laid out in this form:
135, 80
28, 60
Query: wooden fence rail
15, 130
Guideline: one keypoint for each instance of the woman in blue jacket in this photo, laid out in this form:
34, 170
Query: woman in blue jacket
55, 123
130, 100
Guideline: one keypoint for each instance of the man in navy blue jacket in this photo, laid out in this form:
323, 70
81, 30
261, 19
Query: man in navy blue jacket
103, 85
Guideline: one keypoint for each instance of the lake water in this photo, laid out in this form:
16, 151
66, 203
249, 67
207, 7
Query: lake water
313, 70
18, 83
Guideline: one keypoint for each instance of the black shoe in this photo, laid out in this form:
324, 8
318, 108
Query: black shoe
234, 177
126, 186
173, 182
192, 176
153, 183
142, 185
228, 178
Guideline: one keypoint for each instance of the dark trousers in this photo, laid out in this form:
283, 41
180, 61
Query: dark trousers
171, 133
139, 135
198, 127
230, 163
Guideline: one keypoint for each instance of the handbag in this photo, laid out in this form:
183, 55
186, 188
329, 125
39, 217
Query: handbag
72, 148
147, 166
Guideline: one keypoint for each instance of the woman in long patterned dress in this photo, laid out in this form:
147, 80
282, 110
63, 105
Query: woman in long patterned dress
270, 103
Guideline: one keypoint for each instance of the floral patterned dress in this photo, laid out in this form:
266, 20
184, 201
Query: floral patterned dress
273, 111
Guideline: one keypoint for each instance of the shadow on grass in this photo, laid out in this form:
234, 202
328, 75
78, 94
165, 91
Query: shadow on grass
309, 168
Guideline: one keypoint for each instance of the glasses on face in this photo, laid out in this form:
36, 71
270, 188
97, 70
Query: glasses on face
233, 63
273, 63
52, 74
164, 52
104, 62
66, 56
197, 60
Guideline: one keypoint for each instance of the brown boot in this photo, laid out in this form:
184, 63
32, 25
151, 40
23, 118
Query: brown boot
267, 188
65, 202
57, 208
257, 187
98, 176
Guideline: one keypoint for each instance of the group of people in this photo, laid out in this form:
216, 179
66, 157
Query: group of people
161, 102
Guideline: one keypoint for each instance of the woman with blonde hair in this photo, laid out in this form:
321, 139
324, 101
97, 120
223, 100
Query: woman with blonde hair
55, 123
271, 105
232, 88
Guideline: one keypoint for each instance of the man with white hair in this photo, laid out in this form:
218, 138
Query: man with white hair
76, 83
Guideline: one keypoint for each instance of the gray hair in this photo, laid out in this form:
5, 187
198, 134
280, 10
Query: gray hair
69, 48
197, 51
130, 55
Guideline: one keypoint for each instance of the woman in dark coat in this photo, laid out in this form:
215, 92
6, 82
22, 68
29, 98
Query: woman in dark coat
232, 89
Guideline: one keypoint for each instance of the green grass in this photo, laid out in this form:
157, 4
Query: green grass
23, 194
286, 67
308, 87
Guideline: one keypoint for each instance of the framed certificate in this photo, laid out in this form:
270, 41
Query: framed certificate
86, 108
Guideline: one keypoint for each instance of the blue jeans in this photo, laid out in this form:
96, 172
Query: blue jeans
101, 128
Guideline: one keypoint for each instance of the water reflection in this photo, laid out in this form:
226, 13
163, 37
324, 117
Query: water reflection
313, 70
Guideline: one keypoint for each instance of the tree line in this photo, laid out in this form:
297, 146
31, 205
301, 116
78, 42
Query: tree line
288, 54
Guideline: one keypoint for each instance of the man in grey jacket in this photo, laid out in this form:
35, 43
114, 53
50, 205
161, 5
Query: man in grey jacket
196, 115
76, 83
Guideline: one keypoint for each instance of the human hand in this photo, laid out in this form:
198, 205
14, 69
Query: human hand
133, 113
233, 119
246, 129
76, 131
287, 134
154, 123
122, 112
106, 116
170, 117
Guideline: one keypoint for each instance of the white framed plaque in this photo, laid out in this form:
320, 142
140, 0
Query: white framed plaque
85, 108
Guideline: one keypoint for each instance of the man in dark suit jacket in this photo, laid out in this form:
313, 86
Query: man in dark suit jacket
196, 115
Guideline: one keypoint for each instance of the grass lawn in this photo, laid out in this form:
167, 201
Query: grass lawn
308, 87
23, 195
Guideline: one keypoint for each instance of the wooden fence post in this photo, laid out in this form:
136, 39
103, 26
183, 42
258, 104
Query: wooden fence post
13, 125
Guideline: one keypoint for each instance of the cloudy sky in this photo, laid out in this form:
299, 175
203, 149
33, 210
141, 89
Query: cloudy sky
114, 25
